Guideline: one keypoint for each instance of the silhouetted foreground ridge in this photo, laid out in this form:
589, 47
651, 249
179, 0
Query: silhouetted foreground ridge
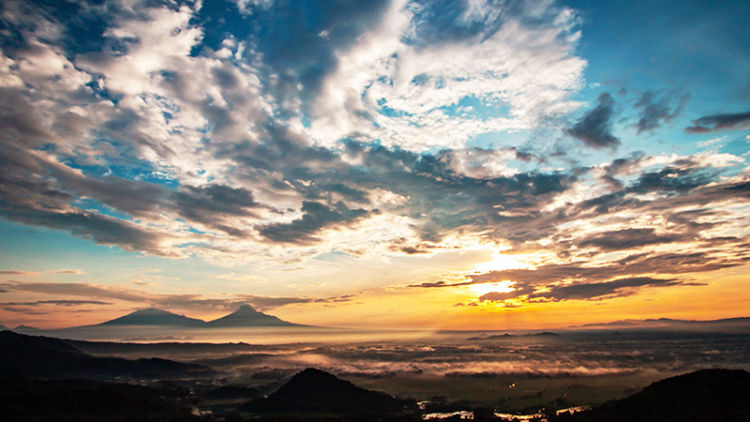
709, 395
315, 391
45, 357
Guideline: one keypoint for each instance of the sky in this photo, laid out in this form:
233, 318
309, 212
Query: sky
466, 164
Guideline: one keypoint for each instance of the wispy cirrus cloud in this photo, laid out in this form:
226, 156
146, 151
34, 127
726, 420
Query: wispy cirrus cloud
99, 294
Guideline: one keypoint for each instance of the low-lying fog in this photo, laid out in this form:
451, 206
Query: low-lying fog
477, 366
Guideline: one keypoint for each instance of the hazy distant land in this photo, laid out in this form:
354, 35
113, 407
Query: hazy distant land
439, 375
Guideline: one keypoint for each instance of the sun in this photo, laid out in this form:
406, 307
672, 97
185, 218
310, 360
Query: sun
505, 286
499, 262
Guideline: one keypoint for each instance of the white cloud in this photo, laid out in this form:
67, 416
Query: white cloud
530, 72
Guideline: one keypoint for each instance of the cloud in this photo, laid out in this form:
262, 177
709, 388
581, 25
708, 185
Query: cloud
496, 296
72, 271
595, 127
60, 302
655, 111
487, 68
315, 217
598, 291
717, 122
97, 294
15, 272
629, 239
184, 131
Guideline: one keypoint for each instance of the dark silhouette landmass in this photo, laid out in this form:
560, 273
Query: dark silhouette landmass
316, 392
233, 392
110, 348
44, 357
92, 401
707, 395
247, 316
508, 335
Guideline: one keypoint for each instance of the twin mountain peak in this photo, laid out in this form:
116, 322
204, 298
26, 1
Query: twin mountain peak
244, 316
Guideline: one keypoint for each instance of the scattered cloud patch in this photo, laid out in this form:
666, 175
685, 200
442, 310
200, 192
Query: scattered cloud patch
719, 122
656, 110
595, 127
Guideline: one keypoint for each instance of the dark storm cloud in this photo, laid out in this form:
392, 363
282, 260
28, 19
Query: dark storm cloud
595, 127
316, 216
655, 110
717, 122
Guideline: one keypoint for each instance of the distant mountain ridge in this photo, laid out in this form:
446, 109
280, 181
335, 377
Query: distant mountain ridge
152, 316
737, 323
247, 316
244, 316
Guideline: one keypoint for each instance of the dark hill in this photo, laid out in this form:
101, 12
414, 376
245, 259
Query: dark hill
315, 391
703, 396
43, 357
153, 316
247, 316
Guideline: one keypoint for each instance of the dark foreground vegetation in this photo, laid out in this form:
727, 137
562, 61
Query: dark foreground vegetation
703, 396
46, 379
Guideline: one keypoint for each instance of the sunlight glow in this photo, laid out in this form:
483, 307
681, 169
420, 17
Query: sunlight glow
505, 286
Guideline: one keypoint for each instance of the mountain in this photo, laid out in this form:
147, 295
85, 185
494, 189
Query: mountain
45, 357
25, 329
246, 316
315, 391
153, 316
741, 324
706, 395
